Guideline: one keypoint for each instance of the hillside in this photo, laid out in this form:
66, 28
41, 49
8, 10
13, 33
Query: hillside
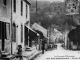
40, 4
56, 10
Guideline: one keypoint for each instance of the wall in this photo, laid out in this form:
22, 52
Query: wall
20, 20
5, 16
5, 11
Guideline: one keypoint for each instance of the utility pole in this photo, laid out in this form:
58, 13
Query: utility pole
36, 7
36, 12
50, 16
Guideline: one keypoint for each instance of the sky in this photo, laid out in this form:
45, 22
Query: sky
52, 0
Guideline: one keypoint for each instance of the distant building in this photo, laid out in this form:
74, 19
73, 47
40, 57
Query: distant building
56, 36
57, 8
72, 7
42, 32
36, 26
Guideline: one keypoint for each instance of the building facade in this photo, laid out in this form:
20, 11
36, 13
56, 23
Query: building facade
14, 17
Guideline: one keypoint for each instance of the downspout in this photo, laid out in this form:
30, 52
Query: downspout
11, 28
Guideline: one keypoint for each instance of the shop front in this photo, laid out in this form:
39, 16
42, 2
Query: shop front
4, 36
31, 38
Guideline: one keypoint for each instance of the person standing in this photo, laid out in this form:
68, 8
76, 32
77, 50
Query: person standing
20, 52
43, 46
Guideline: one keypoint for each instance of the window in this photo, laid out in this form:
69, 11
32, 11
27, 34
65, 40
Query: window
69, 7
26, 10
7, 31
4, 30
21, 7
72, 10
21, 33
14, 32
14, 5
5, 2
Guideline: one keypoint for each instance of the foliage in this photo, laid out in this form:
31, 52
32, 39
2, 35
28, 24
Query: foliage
74, 35
61, 20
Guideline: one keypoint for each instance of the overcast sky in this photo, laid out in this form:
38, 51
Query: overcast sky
52, 0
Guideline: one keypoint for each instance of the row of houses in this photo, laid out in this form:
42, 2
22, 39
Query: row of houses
15, 25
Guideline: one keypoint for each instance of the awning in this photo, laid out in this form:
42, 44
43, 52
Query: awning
27, 2
31, 29
31, 33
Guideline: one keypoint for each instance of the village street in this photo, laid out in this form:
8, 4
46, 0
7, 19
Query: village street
29, 26
59, 54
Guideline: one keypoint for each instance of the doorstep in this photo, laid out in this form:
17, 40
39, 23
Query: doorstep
31, 54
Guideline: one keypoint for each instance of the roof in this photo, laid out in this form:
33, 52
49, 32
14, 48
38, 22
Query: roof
27, 2
38, 27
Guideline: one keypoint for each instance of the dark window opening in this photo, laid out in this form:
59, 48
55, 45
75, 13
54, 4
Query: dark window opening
21, 33
5, 2
73, 4
74, 7
14, 32
26, 11
4, 33
26, 36
21, 7
14, 6
6, 30
69, 7
72, 10
0, 30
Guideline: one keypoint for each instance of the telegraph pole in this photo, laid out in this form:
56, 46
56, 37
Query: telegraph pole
36, 7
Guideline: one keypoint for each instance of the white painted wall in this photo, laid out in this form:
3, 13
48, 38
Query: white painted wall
5, 16
18, 19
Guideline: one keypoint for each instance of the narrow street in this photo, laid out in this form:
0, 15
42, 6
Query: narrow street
59, 54
29, 26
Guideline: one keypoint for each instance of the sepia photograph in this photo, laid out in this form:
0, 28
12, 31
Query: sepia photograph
39, 30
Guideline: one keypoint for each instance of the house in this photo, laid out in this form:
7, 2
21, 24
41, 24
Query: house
14, 17
42, 32
72, 7
20, 19
36, 26
5, 23
56, 36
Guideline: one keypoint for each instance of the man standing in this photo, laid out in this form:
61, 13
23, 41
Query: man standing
43, 46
